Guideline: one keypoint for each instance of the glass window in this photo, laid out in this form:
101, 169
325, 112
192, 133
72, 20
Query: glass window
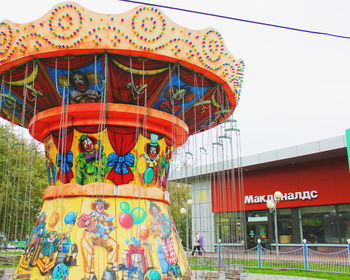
344, 222
319, 224
285, 228
228, 227
344, 208
261, 213
317, 211
284, 213
257, 216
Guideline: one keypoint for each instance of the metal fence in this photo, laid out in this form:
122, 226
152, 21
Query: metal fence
308, 257
232, 259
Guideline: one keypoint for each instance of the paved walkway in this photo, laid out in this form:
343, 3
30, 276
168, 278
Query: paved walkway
255, 276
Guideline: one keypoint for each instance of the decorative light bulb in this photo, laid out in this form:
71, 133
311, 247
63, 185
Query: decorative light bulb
270, 204
277, 195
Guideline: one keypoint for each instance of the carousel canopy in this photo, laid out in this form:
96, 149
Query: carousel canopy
72, 55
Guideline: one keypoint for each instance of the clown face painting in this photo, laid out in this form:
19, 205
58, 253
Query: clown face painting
91, 163
98, 226
81, 92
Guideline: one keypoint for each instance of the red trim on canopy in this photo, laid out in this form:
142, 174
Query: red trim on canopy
89, 114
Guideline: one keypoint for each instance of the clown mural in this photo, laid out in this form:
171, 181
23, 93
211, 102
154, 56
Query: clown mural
81, 92
152, 157
49, 245
91, 163
161, 227
98, 226
49, 251
98, 250
38, 233
164, 167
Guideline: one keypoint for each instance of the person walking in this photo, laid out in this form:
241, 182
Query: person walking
196, 244
201, 244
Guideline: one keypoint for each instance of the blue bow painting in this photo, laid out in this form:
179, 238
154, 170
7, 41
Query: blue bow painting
121, 163
121, 172
65, 161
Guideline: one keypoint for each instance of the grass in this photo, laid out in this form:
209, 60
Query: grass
280, 268
8, 252
300, 273
291, 272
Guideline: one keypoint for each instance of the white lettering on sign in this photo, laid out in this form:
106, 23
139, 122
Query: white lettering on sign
248, 199
304, 195
314, 194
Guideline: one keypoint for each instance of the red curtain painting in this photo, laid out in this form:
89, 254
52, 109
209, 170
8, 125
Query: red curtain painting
64, 161
190, 78
90, 129
123, 140
119, 80
71, 63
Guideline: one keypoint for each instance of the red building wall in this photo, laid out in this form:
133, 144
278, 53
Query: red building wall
328, 179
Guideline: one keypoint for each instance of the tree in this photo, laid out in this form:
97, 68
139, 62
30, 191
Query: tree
179, 194
22, 182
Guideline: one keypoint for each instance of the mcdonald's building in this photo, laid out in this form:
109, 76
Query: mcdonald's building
230, 202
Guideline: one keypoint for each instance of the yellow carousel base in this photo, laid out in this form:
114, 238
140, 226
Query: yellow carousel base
90, 236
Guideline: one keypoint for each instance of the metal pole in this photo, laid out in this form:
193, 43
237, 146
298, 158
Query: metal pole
187, 237
219, 251
276, 231
348, 249
259, 253
306, 260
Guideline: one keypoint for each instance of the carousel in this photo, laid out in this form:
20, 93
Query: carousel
111, 97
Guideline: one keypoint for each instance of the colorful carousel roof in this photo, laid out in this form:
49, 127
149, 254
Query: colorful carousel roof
72, 55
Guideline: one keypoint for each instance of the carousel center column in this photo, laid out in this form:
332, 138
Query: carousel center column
106, 210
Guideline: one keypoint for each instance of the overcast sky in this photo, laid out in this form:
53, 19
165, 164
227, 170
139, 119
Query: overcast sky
296, 86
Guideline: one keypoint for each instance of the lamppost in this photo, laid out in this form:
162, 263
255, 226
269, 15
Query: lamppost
184, 211
272, 205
